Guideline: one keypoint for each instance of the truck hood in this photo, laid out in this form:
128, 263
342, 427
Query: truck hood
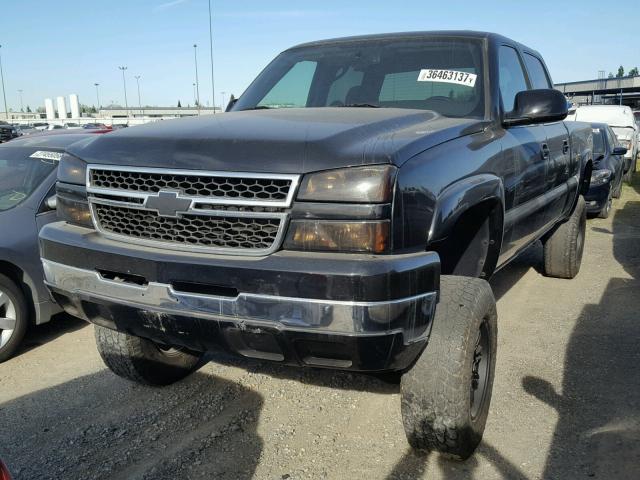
278, 141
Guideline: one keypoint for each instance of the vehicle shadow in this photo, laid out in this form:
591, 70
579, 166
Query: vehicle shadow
59, 325
598, 430
510, 275
101, 426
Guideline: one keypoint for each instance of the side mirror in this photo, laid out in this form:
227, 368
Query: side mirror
537, 106
619, 151
51, 202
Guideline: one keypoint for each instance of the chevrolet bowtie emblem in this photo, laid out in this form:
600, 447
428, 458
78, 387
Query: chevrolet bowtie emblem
168, 203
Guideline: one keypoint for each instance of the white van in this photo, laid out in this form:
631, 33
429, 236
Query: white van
621, 120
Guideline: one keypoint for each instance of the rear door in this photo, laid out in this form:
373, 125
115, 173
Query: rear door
556, 153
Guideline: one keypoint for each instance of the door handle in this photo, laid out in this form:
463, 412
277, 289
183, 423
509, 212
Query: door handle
545, 151
565, 146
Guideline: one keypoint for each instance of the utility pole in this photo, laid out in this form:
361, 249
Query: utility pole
195, 60
97, 94
124, 82
195, 100
4, 93
137, 77
213, 89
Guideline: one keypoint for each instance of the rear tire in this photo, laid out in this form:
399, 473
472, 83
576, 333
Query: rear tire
143, 361
563, 249
445, 396
14, 316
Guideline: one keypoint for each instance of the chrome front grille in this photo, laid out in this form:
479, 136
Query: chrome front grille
217, 212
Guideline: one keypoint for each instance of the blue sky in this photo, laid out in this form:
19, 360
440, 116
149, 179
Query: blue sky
52, 48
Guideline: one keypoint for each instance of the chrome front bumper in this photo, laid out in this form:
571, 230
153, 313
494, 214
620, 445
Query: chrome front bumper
410, 316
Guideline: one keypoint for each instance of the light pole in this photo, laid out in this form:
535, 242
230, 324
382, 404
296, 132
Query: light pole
4, 93
97, 94
195, 61
137, 77
124, 83
213, 90
223, 94
195, 100
21, 106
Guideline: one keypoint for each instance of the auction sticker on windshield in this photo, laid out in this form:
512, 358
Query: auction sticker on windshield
44, 155
447, 76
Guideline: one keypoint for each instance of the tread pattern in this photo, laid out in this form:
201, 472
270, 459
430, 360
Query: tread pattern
140, 360
436, 403
562, 255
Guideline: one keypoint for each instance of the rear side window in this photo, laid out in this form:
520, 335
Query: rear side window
537, 73
512, 79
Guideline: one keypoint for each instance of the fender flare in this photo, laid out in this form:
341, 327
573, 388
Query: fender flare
459, 197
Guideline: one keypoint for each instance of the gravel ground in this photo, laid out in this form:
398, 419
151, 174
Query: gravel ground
565, 402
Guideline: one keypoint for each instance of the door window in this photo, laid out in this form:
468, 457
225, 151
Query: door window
512, 79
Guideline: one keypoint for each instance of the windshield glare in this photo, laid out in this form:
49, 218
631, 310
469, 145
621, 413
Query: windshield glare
20, 175
444, 75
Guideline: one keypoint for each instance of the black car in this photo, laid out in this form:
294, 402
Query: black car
355, 185
7, 132
607, 175
27, 202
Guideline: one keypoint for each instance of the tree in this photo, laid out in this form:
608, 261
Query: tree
634, 72
620, 72
610, 75
28, 109
179, 104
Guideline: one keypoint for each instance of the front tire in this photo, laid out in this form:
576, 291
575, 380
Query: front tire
563, 249
143, 361
445, 396
14, 317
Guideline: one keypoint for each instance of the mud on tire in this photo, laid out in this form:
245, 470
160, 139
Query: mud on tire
445, 396
142, 360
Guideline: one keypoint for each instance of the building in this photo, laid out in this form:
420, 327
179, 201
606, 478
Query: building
154, 112
622, 90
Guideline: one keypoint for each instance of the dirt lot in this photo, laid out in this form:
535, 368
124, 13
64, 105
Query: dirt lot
566, 400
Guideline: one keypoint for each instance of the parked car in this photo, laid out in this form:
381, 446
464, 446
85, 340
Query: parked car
73, 126
40, 125
311, 225
54, 127
620, 118
26, 130
99, 126
27, 202
608, 166
7, 132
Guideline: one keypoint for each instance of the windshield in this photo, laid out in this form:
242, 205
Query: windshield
440, 74
22, 170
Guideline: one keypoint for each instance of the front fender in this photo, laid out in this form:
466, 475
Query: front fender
459, 197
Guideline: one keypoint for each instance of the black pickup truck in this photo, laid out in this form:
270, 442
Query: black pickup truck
344, 213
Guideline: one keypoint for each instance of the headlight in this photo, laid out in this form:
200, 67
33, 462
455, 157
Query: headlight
72, 170
339, 236
600, 177
372, 184
72, 205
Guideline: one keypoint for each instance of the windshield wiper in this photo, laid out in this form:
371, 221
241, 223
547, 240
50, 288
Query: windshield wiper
363, 105
257, 107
